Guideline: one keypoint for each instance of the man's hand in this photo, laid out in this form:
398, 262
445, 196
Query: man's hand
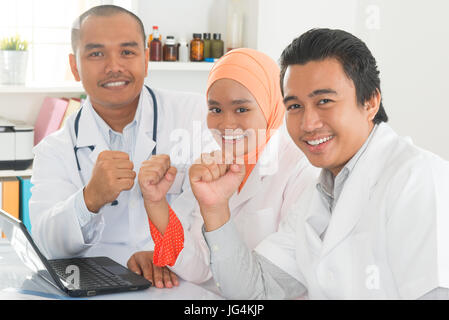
213, 182
142, 264
156, 176
112, 174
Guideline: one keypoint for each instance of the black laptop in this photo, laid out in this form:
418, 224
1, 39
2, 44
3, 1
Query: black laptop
77, 277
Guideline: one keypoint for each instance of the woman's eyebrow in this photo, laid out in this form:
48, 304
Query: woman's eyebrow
240, 101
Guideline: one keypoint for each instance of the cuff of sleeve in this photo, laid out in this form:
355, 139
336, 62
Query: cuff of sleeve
168, 246
83, 214
223, 242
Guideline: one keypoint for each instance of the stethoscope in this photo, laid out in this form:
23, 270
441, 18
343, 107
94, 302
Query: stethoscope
76, 127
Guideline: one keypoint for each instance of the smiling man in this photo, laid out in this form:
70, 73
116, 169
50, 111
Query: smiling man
85, 200
374, 225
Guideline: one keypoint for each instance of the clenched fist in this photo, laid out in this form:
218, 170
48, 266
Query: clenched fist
156, 176
112, 174
213, 182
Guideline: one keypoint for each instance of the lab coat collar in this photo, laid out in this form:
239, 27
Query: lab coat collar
144, 143
267, 164
88, 134
356, 192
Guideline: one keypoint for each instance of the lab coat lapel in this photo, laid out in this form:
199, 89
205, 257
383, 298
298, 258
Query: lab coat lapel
313, 223
267, 161
356, 191
144, 142
89, 135
249, 190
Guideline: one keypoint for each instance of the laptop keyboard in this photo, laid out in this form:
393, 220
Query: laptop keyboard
92, 275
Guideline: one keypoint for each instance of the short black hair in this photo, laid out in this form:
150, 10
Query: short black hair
357, 61
102, 11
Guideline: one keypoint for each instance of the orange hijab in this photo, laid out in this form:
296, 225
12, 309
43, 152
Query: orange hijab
260, 75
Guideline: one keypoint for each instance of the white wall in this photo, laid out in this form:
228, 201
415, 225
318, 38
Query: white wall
409, 39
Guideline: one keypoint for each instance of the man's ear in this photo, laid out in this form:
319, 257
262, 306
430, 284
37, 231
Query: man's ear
74, 67
372, 105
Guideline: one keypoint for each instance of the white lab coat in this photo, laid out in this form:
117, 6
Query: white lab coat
56, 179
388, 234
279, 177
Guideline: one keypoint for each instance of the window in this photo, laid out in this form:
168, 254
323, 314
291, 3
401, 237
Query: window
46, 24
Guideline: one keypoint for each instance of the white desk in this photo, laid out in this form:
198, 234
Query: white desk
17, 281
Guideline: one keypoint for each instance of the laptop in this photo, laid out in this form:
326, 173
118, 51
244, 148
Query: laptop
77, 277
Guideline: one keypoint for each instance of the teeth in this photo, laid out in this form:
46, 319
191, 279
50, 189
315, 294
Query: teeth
319, 141
115, 84
233, 137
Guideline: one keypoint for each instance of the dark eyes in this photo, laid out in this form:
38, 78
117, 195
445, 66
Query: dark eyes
215, 110
293, 107
240, 110
97, 54
127, 52
218, 110
324, 101
297, 106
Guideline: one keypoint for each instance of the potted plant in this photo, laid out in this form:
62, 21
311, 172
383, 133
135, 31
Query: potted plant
13, 60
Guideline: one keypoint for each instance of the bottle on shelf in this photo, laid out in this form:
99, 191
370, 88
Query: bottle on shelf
207, 45
170, 49
183, 50
155, 45
196, 48
217, 46
234, 25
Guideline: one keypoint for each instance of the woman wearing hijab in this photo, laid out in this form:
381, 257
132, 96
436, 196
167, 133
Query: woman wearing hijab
246, 115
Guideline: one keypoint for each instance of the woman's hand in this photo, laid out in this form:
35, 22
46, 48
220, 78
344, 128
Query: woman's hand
213, 182
142, 264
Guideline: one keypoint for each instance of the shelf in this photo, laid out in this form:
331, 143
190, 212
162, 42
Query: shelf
18, 173
179, 66
35, 87
76, 87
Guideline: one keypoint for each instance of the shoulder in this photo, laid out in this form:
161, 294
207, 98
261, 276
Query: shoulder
181, 108
57, 141
180, 99
408, 161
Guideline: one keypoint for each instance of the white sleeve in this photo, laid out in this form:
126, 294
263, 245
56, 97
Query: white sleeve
417, 237
55, 224
240, 273
280, 247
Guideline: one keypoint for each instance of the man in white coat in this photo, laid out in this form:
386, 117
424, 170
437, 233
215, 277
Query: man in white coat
374, 225
85, 200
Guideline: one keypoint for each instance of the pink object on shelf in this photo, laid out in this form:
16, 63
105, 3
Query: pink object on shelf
49, 118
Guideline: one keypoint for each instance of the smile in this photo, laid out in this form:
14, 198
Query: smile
318, 141
115, 84
233, 138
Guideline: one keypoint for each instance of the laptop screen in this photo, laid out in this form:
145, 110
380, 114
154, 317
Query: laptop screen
24, 246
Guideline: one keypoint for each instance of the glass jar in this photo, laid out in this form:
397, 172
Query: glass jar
170, 49
196, 48
217, 46
207, 45
155, 46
